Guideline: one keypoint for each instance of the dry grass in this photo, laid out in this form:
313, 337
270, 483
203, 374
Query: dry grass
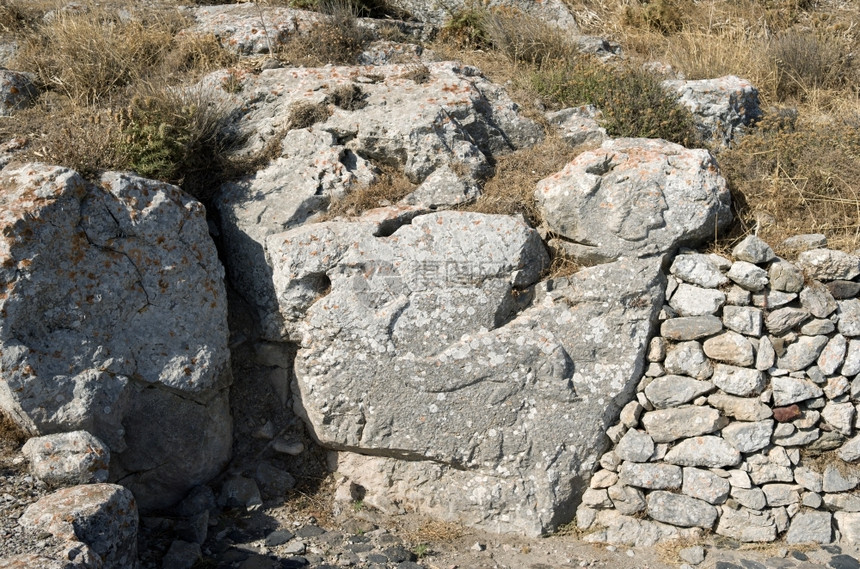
11, 436
434, 531
304, 114
511, 189
391, 186
337, 40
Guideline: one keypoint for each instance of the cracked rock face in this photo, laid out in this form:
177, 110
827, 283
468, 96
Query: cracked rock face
634, 197
482, 398
441, 129
113, 315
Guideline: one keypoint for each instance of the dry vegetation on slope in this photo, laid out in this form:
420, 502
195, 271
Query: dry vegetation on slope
110, 100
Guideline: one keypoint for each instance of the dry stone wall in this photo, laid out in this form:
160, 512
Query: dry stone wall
745, 420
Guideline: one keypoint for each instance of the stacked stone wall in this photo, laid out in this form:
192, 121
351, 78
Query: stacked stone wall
745, 422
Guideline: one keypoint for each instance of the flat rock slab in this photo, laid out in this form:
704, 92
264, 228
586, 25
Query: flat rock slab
420, 353
634, 197
442, 132
113, 313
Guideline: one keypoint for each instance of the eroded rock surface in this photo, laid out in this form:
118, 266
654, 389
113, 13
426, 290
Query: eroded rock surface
113, 321
423, 347
441, 130
634, 198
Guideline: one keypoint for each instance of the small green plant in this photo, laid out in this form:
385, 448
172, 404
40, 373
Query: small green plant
467, 28
358, 506
632, 101
421, 550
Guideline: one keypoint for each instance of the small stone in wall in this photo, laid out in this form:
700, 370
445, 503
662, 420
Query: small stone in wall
785, 277
849, 317
753, 250
635, 446
786, 414
805, 242
829, 265
651, 476
788, 390
840, 416
817, 300
738, 381
749, 437
748, 276
809, 527
627, 500
705, 485
766, 355
850, 451
698, 269
688, 358
744, 319
674, 390
809, 479
68, 458
709, 451
817, 327
691, 300
731, 348
741, 408
752, 498
690, 328
781, 494
836, 481
747, 525
680, 510
667, 425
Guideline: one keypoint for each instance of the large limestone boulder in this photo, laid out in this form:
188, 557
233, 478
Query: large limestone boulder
634, 198
113, 321
447, 381
441, 125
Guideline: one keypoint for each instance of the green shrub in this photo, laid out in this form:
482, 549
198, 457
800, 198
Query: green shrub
467, 28
631, 100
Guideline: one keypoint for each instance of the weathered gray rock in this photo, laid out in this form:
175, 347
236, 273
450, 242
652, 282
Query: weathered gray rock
765, 357
835, 480
634, 532
752, 498
849, 526
802, 353
772, 299
722, 107
744, 319
849, 317
775, 466
850, 451
736, 296
708, 451
114, 313
746, 525
749, 437
17, 91
810, 527
697, 269
781, 494
836, 387
578, 125
800, 437
741, 408
247, 30
817, 327
68, 459
785, 277
667, 425
635, 446
626, 499
842, 290
430, 307
739, 479
181, 555
691, 328
603, 479
634, 197
630, 414
829, 265
691, 300
840, 416
842, 502
680, 510
688, 358
851, 365
657, 349
597, 499
808, 478
705, 485
457, 122
748, 276
788, 390
675, 390
782, 320
753, 250
804, 242
653, 476
731, 348
738, 381
817, 300
555, 12
101, 516
693, 555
